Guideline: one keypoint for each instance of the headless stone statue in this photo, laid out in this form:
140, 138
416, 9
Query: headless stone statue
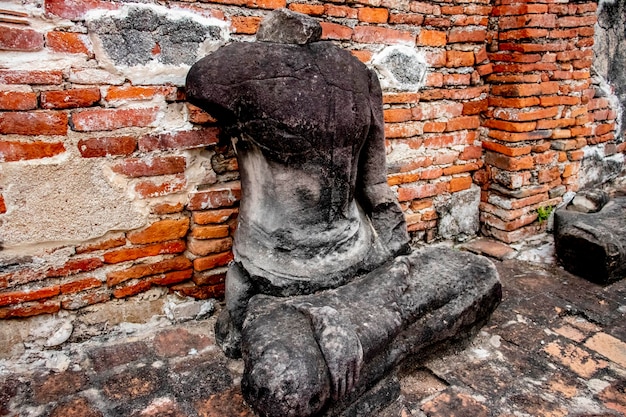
306, 120
323, 297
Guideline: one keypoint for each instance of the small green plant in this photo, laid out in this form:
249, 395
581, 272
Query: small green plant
543, 213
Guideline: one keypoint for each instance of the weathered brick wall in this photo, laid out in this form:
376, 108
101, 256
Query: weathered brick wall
111, 184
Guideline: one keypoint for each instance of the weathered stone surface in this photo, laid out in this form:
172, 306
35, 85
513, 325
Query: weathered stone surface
589, 201
458, 214
610, 50
285, 26
593, 245
401, 309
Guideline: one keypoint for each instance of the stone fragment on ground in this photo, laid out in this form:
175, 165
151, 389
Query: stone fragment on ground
593, 244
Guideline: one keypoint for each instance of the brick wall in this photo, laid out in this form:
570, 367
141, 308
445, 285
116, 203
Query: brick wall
111, 184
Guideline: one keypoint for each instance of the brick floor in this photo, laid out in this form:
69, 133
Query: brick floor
556, 346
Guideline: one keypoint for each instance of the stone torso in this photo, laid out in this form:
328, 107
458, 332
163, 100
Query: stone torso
299, 116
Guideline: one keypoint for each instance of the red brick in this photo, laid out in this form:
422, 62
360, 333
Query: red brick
3, 206
509, 163
223, 195
406, 18
452, 9
425, 8
375, 34
245, 25
421, 226
434, 127
421, 191
519, 103
526, 21
134, 288
17, 100
85, 298
559, 101
267, 4
18, 39
335, 31
403, 130
31, 77
373, 14
362, 55
471, 152
474, 107
205, 247
525, 115
456, 59
214, 216
518, 9
555, 123
210, 232
435, 58
442, 22
521, 68
83, 284
30, 309
69, 42
466, 35
131, 92
33, 123
506, 150
397, 115
167, 208
464, 20
525, 90
534, 47
160, 231
130, 254
171, 278
510, 126
310, 9
200, 292
100, 147
335, 10
436, 110
75, 10
178, 263
68, 99
577, 21
163, 165
460, 183
400, 98
519, 137
212, 261
180, 140
111, 119
432, 38
16, 297
480, 55
514, 57
456, 79
520, 34
11, 151
463, 122
150, 188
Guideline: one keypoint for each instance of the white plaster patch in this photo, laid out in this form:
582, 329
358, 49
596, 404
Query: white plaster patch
400, 68
144, 43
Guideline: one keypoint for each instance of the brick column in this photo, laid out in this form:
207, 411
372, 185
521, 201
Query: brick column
537, 120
